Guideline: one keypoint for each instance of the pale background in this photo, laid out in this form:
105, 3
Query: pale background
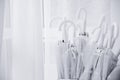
22, 55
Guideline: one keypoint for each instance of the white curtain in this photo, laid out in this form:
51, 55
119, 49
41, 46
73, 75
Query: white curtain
21, 44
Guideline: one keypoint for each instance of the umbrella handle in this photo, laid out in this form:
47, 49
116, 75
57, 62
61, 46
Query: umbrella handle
74, 31
63, 29
99, 27
102, 33
112, 36
82, 18
66, 29
115, 36
53, 20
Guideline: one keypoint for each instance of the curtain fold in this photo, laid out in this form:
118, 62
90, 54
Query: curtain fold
2, 6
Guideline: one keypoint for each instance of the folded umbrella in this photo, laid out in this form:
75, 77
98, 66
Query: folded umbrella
68, 57
97, 70
81, 42
110, 59
115, 74
70, 63
99, 55
62, 47
93, 67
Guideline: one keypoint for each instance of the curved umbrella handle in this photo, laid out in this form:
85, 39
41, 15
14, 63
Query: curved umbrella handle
101, 35
62, 28
82, 17
53, 20
74, 31
99, 27
115, 36
66, 29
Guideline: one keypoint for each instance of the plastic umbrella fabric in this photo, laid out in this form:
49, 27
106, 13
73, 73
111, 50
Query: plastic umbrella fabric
110, 59
81, 42
115, 74
94, 59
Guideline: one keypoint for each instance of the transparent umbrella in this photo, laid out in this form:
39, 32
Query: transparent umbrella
110, 59
93, 60
67, 53
81, 42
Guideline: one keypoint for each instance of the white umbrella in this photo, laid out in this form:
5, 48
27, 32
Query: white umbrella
110, 59
63, 46
115, 74
91, 66
68, 56
98, 56
81, 41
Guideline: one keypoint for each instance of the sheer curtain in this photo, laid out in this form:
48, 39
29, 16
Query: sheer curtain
21, 46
